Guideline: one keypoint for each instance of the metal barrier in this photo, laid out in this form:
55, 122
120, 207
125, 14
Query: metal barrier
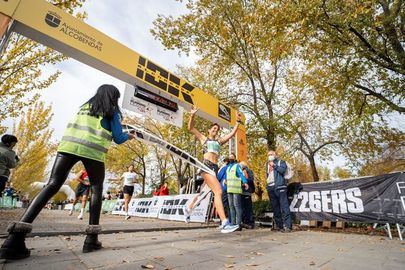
8, 202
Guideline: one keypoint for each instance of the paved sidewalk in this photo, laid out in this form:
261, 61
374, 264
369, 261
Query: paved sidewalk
209, 249
55, 222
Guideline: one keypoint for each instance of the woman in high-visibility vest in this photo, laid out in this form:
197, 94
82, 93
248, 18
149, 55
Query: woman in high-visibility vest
86, 139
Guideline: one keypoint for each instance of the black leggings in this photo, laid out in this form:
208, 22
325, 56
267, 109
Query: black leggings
61, 168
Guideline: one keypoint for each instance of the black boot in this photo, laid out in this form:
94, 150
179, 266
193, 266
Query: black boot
91, 242
14, 247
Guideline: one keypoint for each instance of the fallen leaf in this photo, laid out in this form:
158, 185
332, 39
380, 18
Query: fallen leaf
148, 266
256, 253
230, 256
229, 265
67, 238
153, 238
159, 258
125, 261
339, 249
252, 264
311, 263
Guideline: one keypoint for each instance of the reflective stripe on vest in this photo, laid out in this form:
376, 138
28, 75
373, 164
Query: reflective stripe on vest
233, 183
85, 137
85, 143
101, 133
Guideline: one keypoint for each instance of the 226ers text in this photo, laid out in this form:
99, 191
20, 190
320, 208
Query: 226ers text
330, 201
164, 80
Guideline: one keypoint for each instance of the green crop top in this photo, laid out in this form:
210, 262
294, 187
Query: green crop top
211, 146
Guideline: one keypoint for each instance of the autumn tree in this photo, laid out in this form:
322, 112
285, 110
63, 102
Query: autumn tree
243, 44
391, 160
342, 173
21, 77
34, 147
354, 53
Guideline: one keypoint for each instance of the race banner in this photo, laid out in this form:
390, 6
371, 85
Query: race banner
376, 199
146, 207
118, 207
173, 207
148, 138
165, 207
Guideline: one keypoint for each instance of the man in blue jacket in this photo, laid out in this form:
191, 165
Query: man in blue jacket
277, 190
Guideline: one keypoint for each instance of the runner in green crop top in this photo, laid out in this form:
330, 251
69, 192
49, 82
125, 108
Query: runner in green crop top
211, 146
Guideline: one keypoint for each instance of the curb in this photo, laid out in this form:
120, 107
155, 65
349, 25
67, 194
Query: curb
70, 233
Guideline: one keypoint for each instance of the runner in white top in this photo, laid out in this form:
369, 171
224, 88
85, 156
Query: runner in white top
129, 182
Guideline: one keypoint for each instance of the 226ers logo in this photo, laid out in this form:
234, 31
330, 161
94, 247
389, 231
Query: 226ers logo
164, 80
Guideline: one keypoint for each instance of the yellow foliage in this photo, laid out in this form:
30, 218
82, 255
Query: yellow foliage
34, 146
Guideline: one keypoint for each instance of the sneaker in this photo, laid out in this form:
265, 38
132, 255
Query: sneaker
127, 217
286, 230
71, 212
228, 228
80, 216
220, 227
186, 214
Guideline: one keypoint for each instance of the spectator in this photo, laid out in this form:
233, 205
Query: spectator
277, 191
9, 190
155, 192
247, 205
164, 190
108, 196
235, 179
120, 194
8, 159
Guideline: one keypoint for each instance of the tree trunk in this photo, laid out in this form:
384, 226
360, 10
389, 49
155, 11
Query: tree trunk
143, 180
314, 171
271, 139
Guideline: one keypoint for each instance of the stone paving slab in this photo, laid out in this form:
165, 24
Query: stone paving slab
54, 222
209, 249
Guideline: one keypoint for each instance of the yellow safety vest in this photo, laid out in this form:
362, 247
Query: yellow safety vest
233, 183
85, 137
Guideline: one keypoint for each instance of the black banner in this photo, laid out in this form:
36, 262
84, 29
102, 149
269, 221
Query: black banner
377, 199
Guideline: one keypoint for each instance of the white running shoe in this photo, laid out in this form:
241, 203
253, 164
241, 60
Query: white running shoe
220, 227
186, 214
71, 212
228, 228
80, 216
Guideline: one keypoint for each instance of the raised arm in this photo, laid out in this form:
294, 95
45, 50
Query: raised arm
227, 137
191, 127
